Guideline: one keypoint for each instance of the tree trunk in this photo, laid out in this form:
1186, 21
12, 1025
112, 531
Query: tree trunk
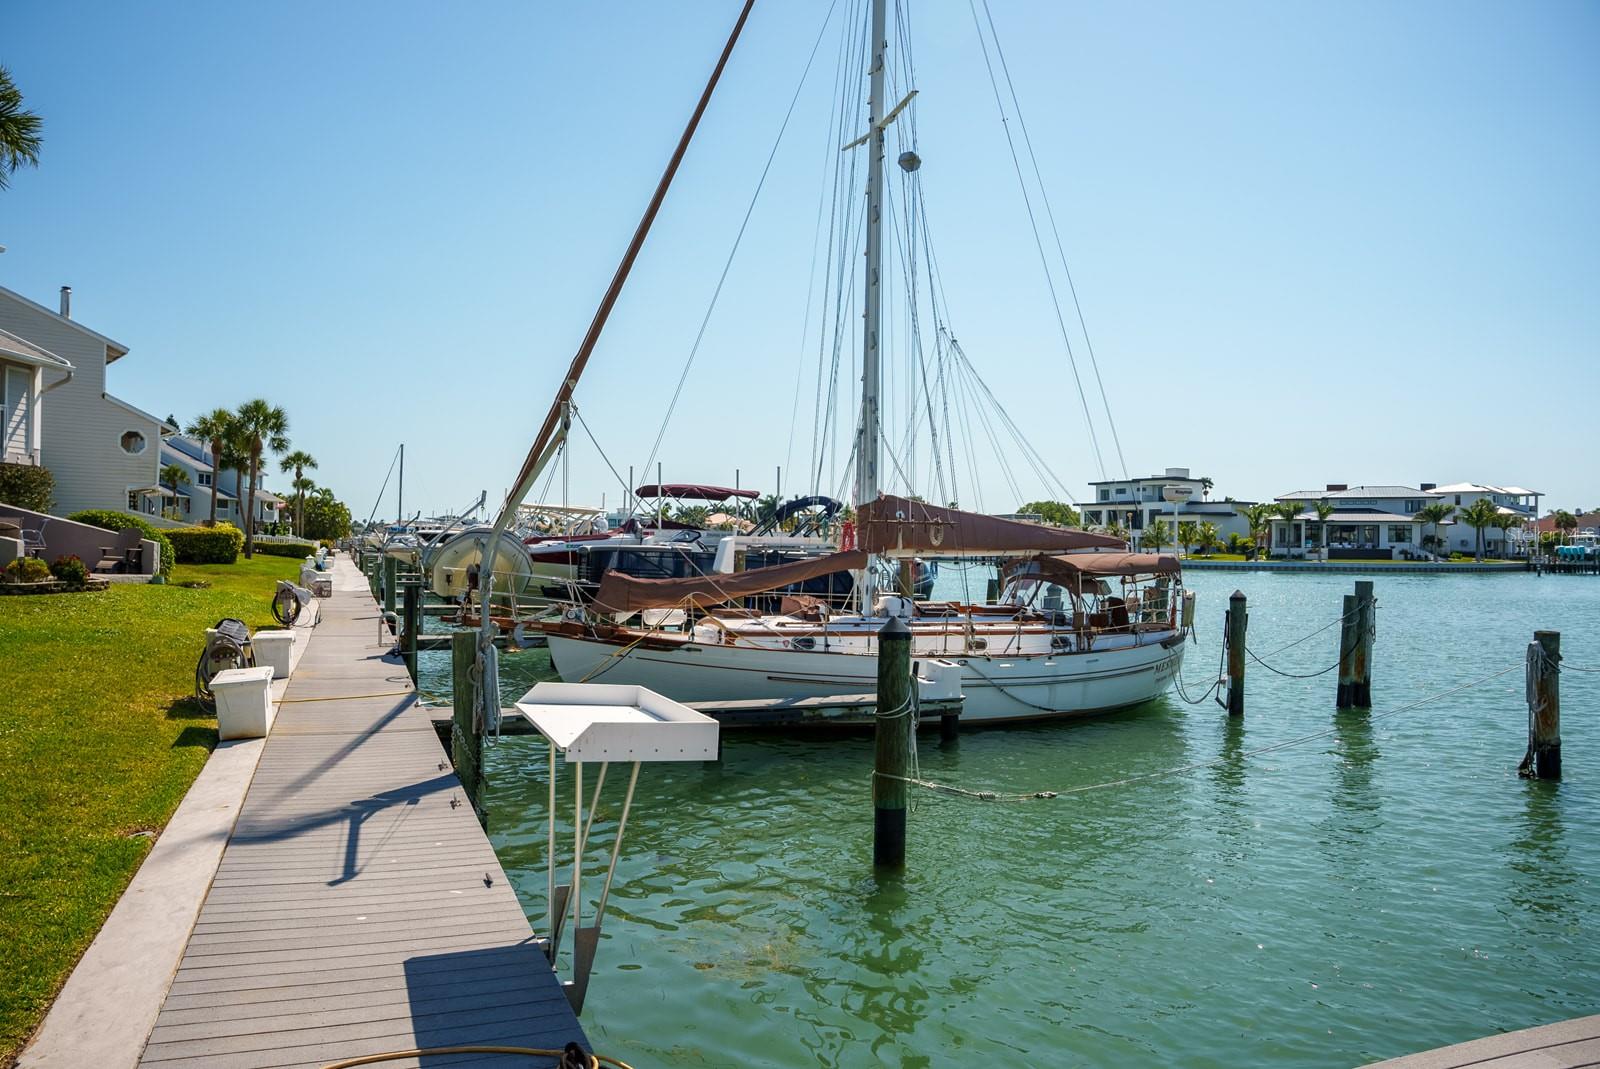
250, 515
216, 470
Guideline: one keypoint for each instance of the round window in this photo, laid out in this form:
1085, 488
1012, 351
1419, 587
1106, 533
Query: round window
133, 442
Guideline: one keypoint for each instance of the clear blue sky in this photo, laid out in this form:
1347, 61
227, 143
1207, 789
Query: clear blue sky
1354, 242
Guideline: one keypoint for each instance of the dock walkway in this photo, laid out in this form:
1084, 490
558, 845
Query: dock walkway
358, 907
1564, 1045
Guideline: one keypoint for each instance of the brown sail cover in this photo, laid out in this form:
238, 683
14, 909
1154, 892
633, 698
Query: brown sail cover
897, 524
625, 593
1072, 567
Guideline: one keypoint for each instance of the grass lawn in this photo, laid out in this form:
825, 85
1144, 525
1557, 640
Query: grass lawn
99, 741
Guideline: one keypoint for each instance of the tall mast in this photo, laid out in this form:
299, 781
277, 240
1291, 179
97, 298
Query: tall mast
869, 434
400, 489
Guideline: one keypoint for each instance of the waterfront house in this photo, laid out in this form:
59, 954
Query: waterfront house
194, 499
1367, 522
27, 372
1508, 501
102, 451
1137, 503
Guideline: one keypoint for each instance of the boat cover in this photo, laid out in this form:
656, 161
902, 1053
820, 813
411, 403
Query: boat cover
1071, 567
899, 525
694, 491
627, 594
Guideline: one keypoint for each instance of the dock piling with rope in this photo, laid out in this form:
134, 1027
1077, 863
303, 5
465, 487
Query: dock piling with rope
1349, 621
895, 723
1238, 623
1543, 759
1366, 631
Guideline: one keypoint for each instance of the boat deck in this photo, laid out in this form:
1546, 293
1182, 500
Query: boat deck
358, 907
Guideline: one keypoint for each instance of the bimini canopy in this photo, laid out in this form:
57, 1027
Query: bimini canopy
626, 594
900, 525
694, 492
1069, 568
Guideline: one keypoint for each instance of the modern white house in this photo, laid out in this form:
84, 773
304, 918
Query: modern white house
1367, 522
1508, 501
1137, 503
102, 451
26, 373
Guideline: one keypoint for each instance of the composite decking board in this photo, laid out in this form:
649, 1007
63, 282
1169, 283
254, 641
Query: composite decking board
350, 816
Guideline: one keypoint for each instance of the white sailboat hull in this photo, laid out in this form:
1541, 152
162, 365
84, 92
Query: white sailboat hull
997, 688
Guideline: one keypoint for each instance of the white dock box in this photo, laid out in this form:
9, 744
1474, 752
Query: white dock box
244, 702
273, 649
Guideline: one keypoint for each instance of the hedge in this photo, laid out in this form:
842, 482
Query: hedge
286, 549
113, 520
206, 545
27, 486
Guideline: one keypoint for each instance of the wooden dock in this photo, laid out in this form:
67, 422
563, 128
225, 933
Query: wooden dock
1564, 1045
358, 907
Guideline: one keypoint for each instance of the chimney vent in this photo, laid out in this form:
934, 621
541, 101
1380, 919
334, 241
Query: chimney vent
66, 302
1335, 487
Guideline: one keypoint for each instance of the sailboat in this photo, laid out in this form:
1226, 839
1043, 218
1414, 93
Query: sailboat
1080, 626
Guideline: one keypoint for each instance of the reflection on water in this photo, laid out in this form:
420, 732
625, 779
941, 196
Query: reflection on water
1388, 887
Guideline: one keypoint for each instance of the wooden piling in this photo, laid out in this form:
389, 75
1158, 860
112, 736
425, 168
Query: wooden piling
466, 742
391, 569
892, 744
1543, 760
1238, 620
1366, 628
412, 621
1349, 620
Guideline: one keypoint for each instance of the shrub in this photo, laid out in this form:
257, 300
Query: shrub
286, 549
114, 520
206, 545
27, 570
70, 570
27, 486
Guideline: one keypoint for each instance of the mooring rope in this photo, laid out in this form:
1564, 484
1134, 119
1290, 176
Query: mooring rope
996, 796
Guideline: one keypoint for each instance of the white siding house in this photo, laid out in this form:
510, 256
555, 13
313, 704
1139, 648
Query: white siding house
1508, 501
27, 372
103, 452
1137, 503
194, 500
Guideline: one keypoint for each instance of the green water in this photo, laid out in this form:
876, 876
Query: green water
1390, 887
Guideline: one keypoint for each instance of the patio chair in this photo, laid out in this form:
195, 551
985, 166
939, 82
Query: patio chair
122, 555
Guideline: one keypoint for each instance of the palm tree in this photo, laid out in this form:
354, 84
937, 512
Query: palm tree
1208, 537
19, 131
1258, 516
172, 475
1155, 535
1288, 512
1478, 515
1506, 521
1323, 511
214, 428
298, 462
1188, 535
263, 427
1565, 522
1206, 483
1434, 515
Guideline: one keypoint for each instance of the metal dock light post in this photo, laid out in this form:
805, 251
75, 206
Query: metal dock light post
1543, 760
892, 744
1237, 622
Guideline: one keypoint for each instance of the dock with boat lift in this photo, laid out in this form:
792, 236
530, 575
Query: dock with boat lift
358, 908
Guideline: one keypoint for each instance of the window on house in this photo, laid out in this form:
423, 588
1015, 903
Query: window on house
1400, 534
132, 442
1105, 494
1458, 499
133, 501
185, 503
205, 478
1122, 491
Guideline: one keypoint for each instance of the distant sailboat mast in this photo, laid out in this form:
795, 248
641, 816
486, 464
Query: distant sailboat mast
869, 433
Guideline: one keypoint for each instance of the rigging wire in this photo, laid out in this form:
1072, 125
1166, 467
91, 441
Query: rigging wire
626, 489
383, 488
738, 238
1044, 198
1072, 359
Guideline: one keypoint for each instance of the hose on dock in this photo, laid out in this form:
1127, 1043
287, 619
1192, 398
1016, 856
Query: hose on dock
573, 1056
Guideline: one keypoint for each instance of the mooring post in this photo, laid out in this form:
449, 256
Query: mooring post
412, 618
1543, 760
391, 569
466, 742
1238, 620
1349, 620
1366, 628
892, 750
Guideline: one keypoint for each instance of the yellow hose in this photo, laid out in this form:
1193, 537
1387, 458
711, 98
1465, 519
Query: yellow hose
595, 1060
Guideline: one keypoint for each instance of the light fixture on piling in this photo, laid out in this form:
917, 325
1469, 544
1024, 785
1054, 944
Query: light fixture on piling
909, 161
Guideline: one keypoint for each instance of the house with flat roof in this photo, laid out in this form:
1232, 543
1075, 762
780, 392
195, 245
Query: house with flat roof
102, 451
1137, 503
1367, 522
1515, 501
